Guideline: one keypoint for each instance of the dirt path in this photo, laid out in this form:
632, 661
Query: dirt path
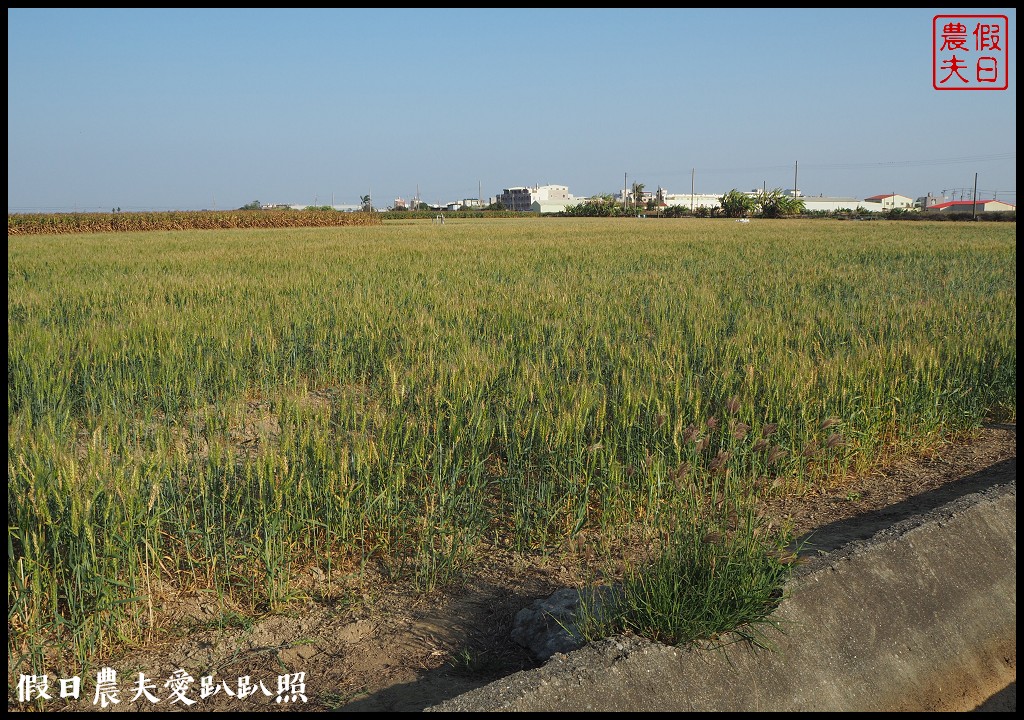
392, 651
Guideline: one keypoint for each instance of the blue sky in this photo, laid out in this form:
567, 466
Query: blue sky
197, 108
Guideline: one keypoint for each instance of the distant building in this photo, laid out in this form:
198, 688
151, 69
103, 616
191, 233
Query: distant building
516, 198
928, 201
822, 203
968, 206
553, 206
892, 201
547, 197
646, 196
691, 201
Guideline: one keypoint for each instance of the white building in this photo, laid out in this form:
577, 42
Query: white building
692, 200
554, 206
538, 198
892, 201
823, 203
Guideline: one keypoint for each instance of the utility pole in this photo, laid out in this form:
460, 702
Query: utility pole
624, 176
974, 203
796, 169
693, 171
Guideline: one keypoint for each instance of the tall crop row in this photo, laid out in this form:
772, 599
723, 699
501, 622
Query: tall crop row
65, 223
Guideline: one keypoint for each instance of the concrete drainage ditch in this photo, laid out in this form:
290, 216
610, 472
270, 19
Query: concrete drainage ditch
921, 616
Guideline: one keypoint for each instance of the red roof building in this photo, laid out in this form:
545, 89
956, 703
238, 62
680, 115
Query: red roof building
968, 206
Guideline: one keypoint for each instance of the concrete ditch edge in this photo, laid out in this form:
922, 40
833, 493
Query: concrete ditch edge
922, 616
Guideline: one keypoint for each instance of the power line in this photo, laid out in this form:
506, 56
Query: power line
921, 163
852, 166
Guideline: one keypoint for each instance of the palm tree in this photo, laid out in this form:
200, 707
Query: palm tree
366, 203
638, 194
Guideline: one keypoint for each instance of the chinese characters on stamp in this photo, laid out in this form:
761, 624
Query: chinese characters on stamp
970, 52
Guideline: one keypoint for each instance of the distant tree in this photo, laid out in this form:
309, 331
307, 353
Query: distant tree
674, 211
736, 204
254, 205
597, 206
366, 202
775, 203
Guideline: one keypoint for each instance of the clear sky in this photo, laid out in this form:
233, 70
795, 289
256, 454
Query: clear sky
183, 109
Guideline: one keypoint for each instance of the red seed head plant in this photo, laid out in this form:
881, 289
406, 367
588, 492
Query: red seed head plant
690, 432
732, 405
719, 462
740, 430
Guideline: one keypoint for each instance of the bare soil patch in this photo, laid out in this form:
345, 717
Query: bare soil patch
384, 648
